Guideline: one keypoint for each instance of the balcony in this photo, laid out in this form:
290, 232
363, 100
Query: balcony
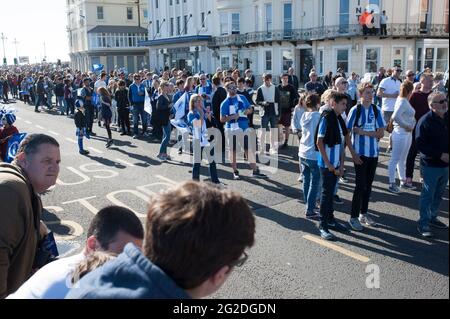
331, 32
115, 40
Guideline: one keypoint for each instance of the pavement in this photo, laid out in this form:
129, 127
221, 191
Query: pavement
288, 260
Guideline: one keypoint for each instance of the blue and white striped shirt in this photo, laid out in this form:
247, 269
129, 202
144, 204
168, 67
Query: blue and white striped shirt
365, 145
333, 153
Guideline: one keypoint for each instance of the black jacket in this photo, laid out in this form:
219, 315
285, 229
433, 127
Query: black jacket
332, 134
219, 96
80, 119
121, 96
432, 139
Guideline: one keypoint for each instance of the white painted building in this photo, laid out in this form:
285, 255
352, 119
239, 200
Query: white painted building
107, 32
271, 36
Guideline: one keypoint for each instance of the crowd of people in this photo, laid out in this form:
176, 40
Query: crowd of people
217, 110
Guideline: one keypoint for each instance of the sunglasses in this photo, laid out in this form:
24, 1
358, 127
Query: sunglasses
410, 75
240, 262
439, 102
232, 88
399, 70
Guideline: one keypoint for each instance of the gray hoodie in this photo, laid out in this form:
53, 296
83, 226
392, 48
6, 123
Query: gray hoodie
308, 124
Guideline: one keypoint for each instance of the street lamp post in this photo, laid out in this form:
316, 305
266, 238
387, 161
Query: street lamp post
4, 52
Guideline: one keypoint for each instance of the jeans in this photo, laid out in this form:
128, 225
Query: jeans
411, 159
329, 181
435, 180
167, 129
400, 148
269, 119
70, 105
197, 163
365, 174
311, 179
89, 116
39, 101
138, 110
61, 103
49, 100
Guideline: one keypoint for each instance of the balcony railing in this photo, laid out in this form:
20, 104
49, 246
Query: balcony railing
331, 32
115, 40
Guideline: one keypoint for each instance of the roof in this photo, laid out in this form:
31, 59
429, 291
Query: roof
175, 40
117, 29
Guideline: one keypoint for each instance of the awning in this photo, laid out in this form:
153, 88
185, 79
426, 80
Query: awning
117, 29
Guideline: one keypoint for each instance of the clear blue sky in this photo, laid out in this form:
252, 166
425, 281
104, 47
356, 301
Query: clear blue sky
32, 22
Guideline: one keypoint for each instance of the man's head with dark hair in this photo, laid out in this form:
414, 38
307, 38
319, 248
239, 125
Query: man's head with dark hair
196, 233
216, 80
39, 156
338, 101
112, 228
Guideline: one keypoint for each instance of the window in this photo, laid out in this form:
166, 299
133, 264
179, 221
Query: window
203, 19
322, 13
172, 29
344, 16
178, 25
342, 59
185, 23
320, 62
157, 4
129, 13
268, 59
223, 23
225, 62
441, 60
424, 14
429, 57
235, 23
287, 9
446, 16
146, 13
256, 19
268, 17
288, 60
100, 13
157, 27
419, 59
372, 58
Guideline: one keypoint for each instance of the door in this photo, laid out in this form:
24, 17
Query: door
306, 63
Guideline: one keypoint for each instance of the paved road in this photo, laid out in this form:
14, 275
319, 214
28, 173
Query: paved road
289, 260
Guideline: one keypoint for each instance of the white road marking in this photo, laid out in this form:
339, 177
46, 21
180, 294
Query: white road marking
125, 162
54, 133
39, 127
337, 248
95, 150
19, 118
28, 122
71, 140
166, 179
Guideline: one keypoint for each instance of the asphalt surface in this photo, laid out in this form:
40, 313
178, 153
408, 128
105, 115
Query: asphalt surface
288, 259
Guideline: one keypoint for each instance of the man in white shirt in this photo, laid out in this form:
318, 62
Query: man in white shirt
388, 90
101, 83
110, 230
383, 23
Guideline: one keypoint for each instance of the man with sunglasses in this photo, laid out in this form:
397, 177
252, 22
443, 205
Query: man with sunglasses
205, 90
209, 232
432, 137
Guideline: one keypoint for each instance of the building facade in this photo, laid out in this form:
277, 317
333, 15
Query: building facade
271, 36
107, 32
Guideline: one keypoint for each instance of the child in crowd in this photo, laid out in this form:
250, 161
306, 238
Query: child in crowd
81, 124
6, 132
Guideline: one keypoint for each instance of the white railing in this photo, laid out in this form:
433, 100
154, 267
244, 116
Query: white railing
115, 40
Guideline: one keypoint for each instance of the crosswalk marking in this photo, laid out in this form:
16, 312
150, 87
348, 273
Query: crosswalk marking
28, 122
337, 248
39, 127
54, 133
95, 150
125, 162
166, 179
71, 140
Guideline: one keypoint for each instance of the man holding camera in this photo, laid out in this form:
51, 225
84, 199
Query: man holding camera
34, 169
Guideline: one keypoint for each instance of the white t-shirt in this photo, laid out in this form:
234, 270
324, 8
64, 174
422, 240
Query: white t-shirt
51, 281
99, 84
390, 86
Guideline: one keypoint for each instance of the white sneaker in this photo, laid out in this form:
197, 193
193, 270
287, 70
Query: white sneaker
365, 219
355, 224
